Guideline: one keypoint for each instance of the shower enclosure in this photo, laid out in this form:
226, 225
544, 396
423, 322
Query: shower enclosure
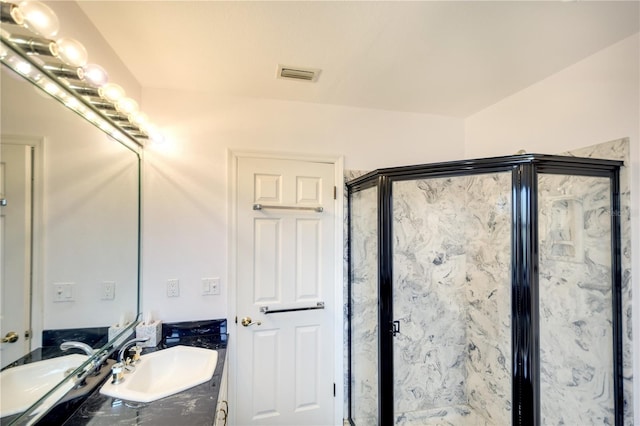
486, 292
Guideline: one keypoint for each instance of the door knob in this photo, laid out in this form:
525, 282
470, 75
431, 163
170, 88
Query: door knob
246, 321
11, 337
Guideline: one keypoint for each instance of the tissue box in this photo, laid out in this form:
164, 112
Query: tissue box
151, 330
114, 330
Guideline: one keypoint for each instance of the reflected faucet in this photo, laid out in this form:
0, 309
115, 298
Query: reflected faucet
77, 345
128, 344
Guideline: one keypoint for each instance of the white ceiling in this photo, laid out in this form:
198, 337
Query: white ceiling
439, 57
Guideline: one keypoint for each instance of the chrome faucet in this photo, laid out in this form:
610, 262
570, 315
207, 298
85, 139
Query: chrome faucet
77, 345
128, 344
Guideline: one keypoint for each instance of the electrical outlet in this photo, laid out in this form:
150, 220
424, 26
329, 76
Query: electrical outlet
108, 290
173, 288
63, 292
210, 286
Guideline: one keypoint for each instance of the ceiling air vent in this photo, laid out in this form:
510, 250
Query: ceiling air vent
297, 73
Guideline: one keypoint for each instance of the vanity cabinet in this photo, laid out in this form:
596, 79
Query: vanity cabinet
222, 407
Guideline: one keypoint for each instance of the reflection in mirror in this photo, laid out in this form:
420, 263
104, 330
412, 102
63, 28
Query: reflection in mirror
69, 224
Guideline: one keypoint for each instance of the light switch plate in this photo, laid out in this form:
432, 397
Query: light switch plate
63, 292
210, 286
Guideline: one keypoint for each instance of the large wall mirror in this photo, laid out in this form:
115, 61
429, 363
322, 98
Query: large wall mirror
70, 219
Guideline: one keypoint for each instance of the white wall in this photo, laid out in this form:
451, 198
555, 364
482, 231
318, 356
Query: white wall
593, 101
185, 184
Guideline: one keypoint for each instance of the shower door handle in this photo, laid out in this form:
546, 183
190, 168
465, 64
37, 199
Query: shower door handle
395, 327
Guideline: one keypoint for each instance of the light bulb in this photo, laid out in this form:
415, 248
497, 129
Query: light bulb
139, 118
20, 65
39, 18
127, 106
155, 136
96, 75
91, 116
72, 52
49, 86
111, 92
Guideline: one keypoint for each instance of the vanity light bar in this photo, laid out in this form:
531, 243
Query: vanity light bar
14, 58
58, 68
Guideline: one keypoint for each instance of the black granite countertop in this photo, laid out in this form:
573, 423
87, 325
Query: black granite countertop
194, 406
198, 402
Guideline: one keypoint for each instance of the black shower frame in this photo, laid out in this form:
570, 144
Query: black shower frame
524, 269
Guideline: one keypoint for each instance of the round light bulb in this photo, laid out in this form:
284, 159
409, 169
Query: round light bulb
49, 86
155, 135
72, 52
139, 118
20, 65
96, 75
127, 106
39, 18
111, 92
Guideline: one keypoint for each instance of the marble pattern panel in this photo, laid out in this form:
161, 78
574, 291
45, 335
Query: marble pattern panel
488, 295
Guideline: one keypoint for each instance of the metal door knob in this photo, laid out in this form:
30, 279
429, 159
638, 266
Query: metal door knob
246, 321
11, 337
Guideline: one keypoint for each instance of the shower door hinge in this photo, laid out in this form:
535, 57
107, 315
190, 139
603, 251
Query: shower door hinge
335, 192
395, 327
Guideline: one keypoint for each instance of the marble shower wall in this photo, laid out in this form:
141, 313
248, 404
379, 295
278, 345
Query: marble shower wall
452, 297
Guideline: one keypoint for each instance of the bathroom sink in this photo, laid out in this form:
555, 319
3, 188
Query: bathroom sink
23, 385
163, 373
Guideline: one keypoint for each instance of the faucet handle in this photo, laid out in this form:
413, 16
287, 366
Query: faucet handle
136, 353
117, 373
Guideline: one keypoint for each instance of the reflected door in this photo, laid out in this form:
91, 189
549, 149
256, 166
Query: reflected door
15, 249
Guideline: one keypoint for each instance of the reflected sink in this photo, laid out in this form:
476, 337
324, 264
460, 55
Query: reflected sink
23, 385
163, 373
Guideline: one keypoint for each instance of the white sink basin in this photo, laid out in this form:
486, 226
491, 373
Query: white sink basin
23, 385
163, 373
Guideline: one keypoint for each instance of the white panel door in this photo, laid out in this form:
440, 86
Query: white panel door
15, 248
285, 262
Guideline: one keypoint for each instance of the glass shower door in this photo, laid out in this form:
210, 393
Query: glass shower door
451, 300
364, 327
575, 299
